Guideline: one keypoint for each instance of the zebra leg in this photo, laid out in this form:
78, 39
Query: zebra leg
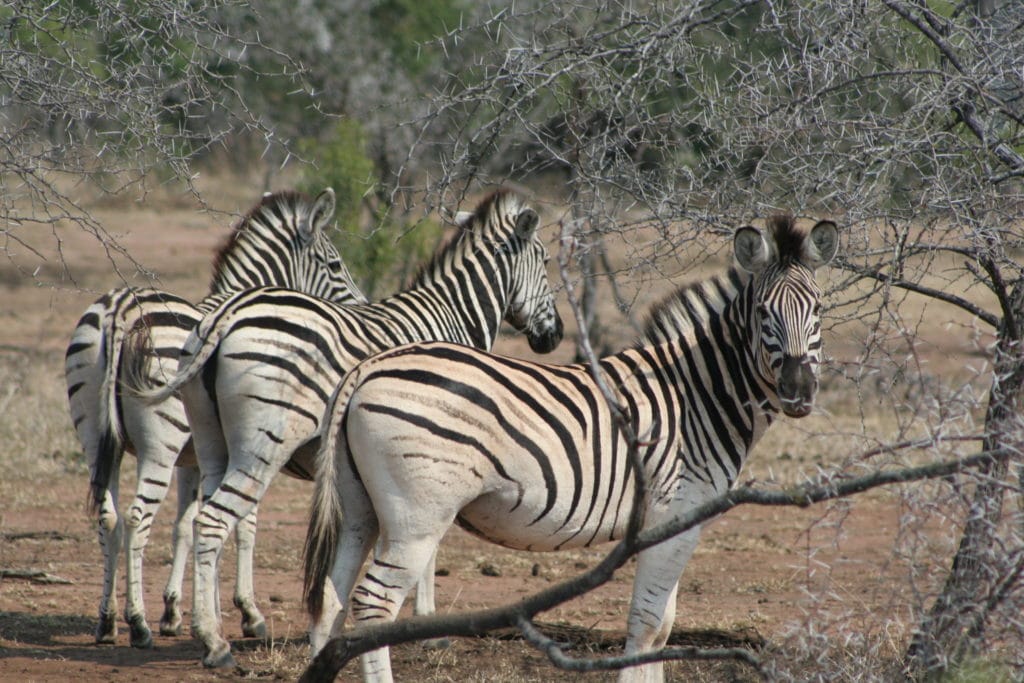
211, 525
652, 609
110, 528
358, 532
154, 474
188, 505
84, 369
394, 570
425, 603
160, 433
425, 589
209, 532
234, 498
253, 623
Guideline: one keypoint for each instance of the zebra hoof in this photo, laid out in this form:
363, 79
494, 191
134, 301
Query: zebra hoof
256, 628
170, 628
141, 635
170, 622
437, 644
219, 657
106, 630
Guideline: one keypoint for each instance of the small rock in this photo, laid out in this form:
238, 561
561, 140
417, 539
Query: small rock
535, 571
489, 569
443, 571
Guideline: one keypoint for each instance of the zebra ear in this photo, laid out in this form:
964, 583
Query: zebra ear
526, 223
752, 251
463, 218
320, 215
821, 244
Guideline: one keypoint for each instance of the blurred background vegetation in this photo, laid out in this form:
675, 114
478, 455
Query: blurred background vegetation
700, 111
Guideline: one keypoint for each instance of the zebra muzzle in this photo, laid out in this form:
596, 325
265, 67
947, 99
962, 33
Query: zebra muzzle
797, 386
546, 339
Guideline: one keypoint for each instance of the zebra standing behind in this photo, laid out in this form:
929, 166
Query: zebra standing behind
528, 455
282, 241
260, 368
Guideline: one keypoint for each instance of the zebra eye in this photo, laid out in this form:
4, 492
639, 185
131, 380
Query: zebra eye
335, 265
817, 309
762, 312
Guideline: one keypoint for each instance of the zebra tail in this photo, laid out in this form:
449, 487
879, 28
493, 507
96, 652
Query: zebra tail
324, 530
111, 442
136, 379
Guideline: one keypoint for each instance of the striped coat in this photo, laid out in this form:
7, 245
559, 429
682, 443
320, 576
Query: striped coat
528, 455
282, 240
261, 367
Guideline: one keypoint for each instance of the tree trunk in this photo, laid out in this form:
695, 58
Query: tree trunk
588, 299
954, 628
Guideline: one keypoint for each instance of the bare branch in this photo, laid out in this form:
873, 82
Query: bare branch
556, 654
946, 297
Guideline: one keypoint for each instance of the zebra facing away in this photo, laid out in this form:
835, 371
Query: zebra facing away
256, 374
282, 241
527, 455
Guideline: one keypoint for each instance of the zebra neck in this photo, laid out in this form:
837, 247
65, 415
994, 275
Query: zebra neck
467, 289
741, 320
234, 275
716, 360
243, 263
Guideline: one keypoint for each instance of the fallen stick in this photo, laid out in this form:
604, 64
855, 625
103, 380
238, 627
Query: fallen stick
33, 575
49, 535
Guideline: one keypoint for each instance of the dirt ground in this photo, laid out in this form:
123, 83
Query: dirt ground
839, 574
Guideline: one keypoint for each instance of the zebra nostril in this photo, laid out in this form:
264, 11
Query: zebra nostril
796, 378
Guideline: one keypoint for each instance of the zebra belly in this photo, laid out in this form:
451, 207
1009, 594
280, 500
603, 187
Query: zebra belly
497, 519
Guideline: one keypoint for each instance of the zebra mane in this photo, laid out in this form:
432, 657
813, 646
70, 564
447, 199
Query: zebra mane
697, 304
789, 240
484, 206
692, 306
449, 247
239, 232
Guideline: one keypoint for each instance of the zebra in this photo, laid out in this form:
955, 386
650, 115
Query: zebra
528, 456
281, 240
260, 368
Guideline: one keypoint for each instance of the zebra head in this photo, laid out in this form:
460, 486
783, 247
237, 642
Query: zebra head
522, 259
283, 241
784, 314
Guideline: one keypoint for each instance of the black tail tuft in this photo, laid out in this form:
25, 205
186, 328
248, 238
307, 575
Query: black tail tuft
107, 458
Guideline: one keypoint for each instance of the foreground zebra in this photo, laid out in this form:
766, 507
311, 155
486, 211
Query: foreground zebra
528, 456
281, 241
263, 365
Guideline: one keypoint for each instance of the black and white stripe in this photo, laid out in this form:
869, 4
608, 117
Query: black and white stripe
264, 363
281, 241
528, 455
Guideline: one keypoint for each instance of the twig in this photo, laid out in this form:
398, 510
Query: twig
49, 535
563, 661
958, 301
33, 575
